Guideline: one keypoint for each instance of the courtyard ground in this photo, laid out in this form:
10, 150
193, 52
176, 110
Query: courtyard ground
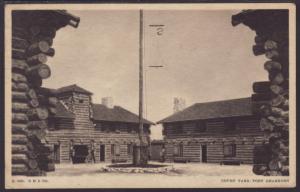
182, 169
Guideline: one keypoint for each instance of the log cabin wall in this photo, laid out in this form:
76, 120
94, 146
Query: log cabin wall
32, 37
245, 136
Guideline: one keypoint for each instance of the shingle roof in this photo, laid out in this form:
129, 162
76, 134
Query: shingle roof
63, 112
116, 114
73, 88
212, 110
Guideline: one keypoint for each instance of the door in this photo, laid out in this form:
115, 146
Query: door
204, 153
102, 153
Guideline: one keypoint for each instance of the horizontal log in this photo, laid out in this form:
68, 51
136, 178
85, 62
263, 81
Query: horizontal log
20, 86
19, 158
272, 54
40, 58
18, 53
19, 107
19, 139
38, 113
19, 128
18, 78
37, 125
38, 47
39, 71
19, 96
17, 149
272, 66
19, 43
261, 87
270, 45
19, 169
19, 65
19, 118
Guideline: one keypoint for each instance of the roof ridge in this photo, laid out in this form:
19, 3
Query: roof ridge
228, 100
214, 109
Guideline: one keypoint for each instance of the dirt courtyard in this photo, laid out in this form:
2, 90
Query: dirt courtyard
182, 169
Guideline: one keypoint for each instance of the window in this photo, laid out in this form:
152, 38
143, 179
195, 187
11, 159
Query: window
230, 150
129, 149
230, 125
200, 126
80, 101
178, 150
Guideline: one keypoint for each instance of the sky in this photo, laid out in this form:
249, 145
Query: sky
204, 58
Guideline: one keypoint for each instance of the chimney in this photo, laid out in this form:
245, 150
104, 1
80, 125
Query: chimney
179, 104
108, 102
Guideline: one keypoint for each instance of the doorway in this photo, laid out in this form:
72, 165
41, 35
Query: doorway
102, 153
204, 153
81, 152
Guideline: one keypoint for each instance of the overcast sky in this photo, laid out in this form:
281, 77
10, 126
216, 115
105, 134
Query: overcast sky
204, 59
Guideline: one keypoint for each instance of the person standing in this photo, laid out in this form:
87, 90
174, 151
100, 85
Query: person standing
92, 151
162, 154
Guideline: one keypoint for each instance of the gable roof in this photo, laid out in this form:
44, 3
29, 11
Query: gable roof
115, 114
212, 110
73, 88
63, 112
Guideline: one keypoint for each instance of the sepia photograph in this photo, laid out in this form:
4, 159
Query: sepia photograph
150, 96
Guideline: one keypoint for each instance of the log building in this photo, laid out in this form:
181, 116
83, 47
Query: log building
79, 123
214, 132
